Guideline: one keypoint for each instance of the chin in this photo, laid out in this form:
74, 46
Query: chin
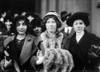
21, 33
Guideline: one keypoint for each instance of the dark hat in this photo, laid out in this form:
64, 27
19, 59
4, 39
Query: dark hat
35, 15
65, 15
8, 16
78, 16
21, 18
36, 22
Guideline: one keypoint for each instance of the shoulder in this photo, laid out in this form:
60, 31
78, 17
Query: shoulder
92, 36
60, 36
8, 40
30, 37
37, 40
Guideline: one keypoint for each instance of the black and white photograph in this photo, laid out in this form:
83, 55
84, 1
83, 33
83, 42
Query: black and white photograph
49, 35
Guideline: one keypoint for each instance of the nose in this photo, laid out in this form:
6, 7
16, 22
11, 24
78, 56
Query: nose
51, 24
21, 26
78, 25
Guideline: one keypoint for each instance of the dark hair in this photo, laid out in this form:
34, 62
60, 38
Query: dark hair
19, 18
8, 18
36, 22
50, 16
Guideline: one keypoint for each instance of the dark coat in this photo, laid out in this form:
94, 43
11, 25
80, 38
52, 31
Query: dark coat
80, 51
28, 49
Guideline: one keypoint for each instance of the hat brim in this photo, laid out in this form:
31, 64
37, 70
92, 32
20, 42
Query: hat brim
78, 16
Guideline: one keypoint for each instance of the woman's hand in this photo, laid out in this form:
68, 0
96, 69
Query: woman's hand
7, 63
40, 57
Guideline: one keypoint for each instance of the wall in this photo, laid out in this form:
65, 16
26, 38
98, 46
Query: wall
67, 5
95, 18
73, 6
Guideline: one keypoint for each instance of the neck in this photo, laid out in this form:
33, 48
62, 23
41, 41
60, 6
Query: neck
51, 34
80, 33
21, 36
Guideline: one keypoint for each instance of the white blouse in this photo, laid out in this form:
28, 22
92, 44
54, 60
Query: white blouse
79, 36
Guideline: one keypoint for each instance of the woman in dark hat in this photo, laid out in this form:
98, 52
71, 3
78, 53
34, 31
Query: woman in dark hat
64, 16
36, 26
19, 47
81, 43
8, 22
68, 31
31, 15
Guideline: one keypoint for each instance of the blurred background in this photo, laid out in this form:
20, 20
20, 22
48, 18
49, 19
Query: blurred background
43, 6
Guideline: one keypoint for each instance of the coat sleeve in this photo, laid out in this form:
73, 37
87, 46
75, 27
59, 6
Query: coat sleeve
34, 58
95, 39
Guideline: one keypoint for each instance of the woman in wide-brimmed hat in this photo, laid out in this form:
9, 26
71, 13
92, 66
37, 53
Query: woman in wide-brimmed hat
51, 38
81, 42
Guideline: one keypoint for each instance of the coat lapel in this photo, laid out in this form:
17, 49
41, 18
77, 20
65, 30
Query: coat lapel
9, 39
26, 50
76, 50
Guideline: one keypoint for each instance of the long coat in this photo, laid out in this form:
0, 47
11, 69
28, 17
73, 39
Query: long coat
80, 51
28, 49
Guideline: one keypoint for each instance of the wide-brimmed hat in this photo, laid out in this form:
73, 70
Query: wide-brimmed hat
79, 16
58, 17
65, 15
36, 22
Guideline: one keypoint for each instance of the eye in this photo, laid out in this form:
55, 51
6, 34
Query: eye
48, 21
24, 24
53, 22
18, 24
81, 23
76, 23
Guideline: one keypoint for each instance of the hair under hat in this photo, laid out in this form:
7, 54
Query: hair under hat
53, 13
36, 22
21, 18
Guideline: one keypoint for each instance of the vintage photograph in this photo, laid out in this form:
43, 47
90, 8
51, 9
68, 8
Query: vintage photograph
49, 35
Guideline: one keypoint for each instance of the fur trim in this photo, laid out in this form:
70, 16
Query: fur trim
52, 42
58, 60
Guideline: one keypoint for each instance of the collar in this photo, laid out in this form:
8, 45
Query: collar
80, 34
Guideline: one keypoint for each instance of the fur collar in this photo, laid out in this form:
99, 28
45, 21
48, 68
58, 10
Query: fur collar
49, 42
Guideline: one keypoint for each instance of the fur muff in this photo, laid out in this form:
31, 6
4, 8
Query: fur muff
58, 60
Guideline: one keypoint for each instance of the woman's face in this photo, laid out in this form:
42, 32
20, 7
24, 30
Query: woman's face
21, 27
8, 24
37, 30
78, 26
51, 25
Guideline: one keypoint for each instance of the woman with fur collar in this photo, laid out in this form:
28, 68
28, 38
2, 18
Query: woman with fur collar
50, 39
19, 48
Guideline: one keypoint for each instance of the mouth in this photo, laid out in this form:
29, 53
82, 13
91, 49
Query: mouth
21, 30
